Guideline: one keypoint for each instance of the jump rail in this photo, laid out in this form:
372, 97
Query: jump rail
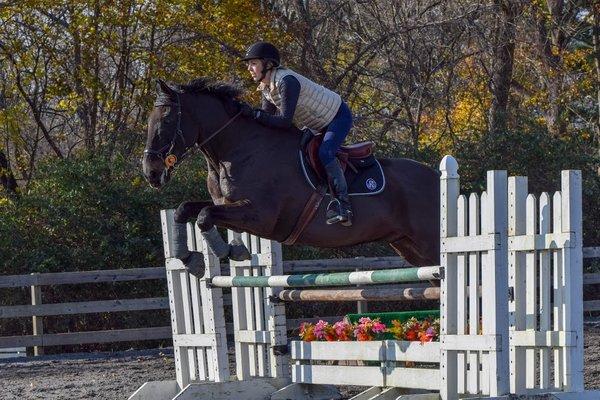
380, 294
399, 275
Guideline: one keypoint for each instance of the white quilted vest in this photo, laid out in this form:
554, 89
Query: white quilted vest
316, 106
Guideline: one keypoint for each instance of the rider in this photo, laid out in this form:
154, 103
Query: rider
289, 98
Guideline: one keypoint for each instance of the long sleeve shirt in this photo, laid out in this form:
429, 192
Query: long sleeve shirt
269, 115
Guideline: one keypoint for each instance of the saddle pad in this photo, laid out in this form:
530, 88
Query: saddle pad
367, 181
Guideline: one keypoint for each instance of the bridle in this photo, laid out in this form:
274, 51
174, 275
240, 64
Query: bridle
167, 153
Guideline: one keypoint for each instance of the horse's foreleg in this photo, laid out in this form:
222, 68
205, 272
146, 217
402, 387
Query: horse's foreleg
232, 215
190, 209
193, 260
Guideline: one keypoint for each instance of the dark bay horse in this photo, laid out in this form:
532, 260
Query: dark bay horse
257, 186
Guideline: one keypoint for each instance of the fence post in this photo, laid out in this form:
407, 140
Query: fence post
361, 306
572, 222
449, 191
37, 322
494, 282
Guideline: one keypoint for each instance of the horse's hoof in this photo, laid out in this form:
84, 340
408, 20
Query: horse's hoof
194, 264
238, 251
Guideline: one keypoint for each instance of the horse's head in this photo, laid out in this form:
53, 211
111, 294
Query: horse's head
184, 116
171, 132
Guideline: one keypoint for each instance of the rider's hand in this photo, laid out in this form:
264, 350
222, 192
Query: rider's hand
246, 110
306, 137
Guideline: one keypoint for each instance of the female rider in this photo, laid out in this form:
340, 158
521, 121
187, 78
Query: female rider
289, 98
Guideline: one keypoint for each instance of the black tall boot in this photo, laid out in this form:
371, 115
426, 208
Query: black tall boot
339, 209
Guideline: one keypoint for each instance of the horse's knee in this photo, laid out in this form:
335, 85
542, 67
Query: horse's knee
184, 212
204, 220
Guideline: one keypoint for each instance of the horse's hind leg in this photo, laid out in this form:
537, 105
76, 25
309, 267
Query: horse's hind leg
406, 248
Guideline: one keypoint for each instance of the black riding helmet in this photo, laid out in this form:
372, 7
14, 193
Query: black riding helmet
263, 50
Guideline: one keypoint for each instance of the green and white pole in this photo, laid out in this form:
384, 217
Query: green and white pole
398, 275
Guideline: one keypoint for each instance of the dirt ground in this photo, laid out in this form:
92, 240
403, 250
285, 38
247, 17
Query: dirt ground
117, 375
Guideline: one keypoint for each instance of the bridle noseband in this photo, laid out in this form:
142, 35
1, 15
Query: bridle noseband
169, 158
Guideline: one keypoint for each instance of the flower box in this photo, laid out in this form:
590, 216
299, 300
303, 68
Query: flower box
370, 363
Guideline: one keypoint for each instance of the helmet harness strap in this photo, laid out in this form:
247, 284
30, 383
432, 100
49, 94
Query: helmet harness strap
264, 71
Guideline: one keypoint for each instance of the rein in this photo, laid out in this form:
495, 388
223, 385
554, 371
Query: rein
170, 159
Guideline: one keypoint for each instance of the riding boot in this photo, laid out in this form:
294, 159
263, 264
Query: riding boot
339, 208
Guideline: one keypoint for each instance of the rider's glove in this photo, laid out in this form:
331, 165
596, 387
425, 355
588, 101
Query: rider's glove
247, 111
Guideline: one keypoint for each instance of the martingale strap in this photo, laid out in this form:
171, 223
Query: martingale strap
307, 215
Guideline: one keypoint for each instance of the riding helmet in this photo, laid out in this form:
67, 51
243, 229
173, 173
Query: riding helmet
262, 50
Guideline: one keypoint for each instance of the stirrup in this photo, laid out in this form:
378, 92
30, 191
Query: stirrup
335, 216
336, 219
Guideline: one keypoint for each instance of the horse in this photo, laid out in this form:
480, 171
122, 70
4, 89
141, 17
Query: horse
256, 183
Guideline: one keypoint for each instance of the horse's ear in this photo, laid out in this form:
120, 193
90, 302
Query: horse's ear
163, 88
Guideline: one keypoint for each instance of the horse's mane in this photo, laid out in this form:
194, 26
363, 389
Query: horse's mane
223, 90
228, 93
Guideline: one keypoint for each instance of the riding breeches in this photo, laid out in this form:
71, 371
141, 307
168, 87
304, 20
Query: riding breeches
335, 134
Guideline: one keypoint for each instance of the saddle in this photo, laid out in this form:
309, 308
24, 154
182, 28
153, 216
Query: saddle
363, 172
352, 156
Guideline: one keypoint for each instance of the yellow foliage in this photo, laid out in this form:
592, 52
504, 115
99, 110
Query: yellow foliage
74, 49
5, 201
138, 181
68, 102
467, 113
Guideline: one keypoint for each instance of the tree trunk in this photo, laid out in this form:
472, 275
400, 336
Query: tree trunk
79, 71
95, 70
502, 64
550, 45
7, 179
596, 40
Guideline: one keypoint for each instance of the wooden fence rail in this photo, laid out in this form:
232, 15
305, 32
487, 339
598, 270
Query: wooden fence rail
36, 310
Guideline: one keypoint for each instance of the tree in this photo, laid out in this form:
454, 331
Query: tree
596, 44
502, 62
85, 71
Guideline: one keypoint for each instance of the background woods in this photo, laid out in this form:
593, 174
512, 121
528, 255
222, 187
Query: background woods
507, 84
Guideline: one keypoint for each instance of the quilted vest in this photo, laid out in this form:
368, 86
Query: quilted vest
316, 106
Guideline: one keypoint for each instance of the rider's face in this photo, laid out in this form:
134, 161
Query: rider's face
255, 67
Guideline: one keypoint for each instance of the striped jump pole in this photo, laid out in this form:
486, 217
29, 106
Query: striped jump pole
398, 275
367, 294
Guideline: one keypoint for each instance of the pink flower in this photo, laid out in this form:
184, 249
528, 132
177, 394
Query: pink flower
343, 330
321, 329
378, 327
368, 328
